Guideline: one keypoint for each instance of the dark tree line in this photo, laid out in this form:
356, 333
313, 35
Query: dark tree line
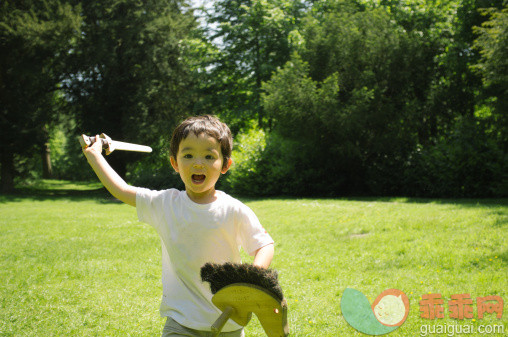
112, 66
325, 98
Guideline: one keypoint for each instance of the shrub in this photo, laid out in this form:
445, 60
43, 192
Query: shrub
467, 163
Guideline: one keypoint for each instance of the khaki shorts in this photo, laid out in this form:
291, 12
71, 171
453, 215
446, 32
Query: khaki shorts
173, 329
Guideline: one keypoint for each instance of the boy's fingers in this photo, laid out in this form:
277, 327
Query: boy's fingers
98, 142
96, 145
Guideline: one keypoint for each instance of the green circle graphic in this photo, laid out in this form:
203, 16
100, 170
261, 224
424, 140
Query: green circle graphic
357, 311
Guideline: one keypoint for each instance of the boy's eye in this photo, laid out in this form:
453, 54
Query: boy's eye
210, 157
187, 156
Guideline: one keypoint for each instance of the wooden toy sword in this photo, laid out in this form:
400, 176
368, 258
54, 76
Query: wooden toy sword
111, 145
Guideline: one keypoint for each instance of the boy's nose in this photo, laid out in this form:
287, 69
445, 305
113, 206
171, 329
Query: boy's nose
198, 164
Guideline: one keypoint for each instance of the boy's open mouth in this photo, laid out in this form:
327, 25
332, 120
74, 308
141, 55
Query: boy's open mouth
198, 178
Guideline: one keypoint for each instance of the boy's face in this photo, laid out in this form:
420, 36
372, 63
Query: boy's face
199, 162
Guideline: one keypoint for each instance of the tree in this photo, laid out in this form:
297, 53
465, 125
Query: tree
35, 37
254, 38
129, 80
381, 92
370, 78
492, 43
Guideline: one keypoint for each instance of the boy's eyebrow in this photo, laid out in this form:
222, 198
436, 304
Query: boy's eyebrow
188, 148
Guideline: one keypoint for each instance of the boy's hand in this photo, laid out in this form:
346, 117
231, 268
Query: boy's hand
95, 148
109, 178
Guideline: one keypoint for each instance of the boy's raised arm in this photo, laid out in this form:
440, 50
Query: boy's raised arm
109, 178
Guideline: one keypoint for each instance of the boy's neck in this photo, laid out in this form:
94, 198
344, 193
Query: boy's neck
202, 198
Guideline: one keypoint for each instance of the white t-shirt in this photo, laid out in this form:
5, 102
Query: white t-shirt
193, 234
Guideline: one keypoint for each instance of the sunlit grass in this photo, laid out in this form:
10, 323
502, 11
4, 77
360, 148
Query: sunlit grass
81, 263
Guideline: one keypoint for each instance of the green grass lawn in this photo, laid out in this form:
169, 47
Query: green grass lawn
75, 262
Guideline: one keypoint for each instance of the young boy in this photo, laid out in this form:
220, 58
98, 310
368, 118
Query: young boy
198, 225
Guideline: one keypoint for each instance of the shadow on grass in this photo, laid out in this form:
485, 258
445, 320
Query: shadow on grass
76, 191
59, 190
465, 202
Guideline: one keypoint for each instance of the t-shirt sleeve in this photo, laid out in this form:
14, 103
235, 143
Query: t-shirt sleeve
150, 205
251, 233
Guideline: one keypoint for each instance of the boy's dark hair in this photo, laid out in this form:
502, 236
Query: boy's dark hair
209, 125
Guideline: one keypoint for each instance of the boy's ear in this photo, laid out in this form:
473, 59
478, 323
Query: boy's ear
227, 166
173, 163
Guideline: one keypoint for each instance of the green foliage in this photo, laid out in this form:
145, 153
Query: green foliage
253, 37
35, 37
492, 43
244, 175
467, 163
367, 91
352, 96
270, 164
67, 159
155, 171
129, 78
248, 148
355, 101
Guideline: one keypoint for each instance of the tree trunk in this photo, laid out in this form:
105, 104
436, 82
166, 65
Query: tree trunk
7, 171
257, 71
47, 171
